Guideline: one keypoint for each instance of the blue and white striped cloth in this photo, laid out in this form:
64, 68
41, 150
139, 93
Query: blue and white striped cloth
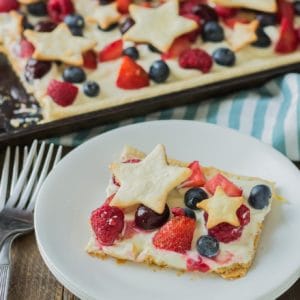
270, 113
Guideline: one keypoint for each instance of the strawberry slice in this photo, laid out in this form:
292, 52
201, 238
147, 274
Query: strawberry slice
197, 178
219, 180
90, 60
288, 39
179, 45
26, 49
176, 235
111, 51
286, 10
230, 22
131, 75
123, 6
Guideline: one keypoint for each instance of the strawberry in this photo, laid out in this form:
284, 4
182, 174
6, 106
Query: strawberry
131, 75
179, 45
90, 60
26, 49
230, 22
288, 39
196, 59
111, 51
123, 5
219, 180
58, 9
8, 5
195, 33
176, 235
62, 93
225, 12
286, 10
197, 178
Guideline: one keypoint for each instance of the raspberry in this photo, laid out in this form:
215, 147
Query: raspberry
62, 93
107, 223
26, 49
196, 59
227, 233
58, 9
8, 5
197, 265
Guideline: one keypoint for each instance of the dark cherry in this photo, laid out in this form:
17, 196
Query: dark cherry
45, 26
126, 25
36, 69
146, 218
205, 12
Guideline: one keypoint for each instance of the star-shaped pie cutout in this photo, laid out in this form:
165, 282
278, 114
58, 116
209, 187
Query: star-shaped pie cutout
147, 182
59, 44
105, 15
221, 208
243, 35
158, 26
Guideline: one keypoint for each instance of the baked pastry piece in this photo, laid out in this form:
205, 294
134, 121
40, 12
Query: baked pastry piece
77, 56
180, 215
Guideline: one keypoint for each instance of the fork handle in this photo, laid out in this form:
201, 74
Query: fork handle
4, 280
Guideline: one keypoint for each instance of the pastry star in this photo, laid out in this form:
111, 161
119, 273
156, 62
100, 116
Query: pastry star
158, 26
59, 44
243, 35
147, 182
105, 15
221, 208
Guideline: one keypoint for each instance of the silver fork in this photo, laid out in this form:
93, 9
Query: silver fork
16, 216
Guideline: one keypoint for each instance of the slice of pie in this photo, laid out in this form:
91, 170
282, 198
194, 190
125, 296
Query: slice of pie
180, 215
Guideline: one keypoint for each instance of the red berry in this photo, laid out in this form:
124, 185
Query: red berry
219, 180
225, 12
62, 93
26, 49
111, 51
178, 211
131, 75
197, 178
176, 235
195, 33
227, 233
179, 45
286, 10
107, 223
123, 5
197, 265
188, 7
288, 39
90, 60
196, 59
58, 9
8, 5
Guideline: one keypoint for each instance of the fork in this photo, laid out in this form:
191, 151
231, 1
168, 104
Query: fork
16, 217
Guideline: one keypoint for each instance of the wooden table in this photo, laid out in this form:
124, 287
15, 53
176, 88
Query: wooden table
31, 279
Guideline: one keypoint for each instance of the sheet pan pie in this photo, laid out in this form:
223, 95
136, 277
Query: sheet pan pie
84, 55
180, 215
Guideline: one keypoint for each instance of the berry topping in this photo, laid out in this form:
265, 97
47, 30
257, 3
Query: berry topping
58, 9
74, 20
111, 51
297, 7
148, 219
90, 60
229, 188
196, 59
36, 69
197, 178
132, 52
207, 246
266, 19
131, 75
26, 49
225, 12
205, 12
109, 28
8, 5
260, 196
91, 88
62, 93
197, 265
212, 32
45, 26
179, 45
124, 26
74, 75
193, 196
227, 233
123, 5
178, 211
159, 71
224, 57
38, 9
263, 40
288, 40
107, 223
176, 235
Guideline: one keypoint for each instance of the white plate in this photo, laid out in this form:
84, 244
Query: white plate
76, 187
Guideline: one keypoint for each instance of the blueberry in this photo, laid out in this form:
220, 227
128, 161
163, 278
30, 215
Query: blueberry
205, 12
266, 19
159, 71
126, 25
36, 69
207, 246
131, 52
74, 75
38, 9
194, 196
74, 20
153, 49
297, 7
109, 28
224, 57
45, 26
91, 88
212, 32
263, 40
260, 196
189, 213
76, 31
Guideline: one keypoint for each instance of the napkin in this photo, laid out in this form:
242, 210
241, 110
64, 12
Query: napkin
270, 113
